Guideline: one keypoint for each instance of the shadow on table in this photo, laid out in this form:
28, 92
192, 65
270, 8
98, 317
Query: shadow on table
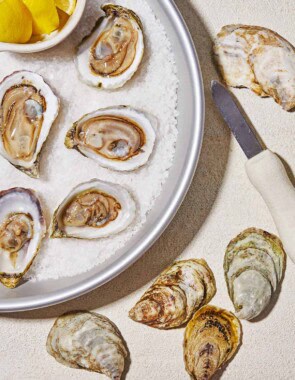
195, 208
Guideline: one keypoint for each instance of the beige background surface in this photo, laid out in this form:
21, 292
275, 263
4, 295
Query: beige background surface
220, 204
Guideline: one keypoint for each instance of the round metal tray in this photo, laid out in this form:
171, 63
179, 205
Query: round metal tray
32, 295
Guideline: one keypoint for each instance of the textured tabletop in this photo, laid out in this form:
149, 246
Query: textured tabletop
221, 203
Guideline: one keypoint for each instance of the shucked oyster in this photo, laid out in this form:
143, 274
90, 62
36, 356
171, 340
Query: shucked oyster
259, 59
211, 339
110, 56
177, 293
119, 138
93, 209
22, 228
254, 262
28, 109
87, 341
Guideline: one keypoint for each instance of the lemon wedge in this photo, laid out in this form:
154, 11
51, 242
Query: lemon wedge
45, 16
15, 22
68, 6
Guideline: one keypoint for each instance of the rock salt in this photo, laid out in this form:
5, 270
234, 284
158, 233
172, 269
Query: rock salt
153, 89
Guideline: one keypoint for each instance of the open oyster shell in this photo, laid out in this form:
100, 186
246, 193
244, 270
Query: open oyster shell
28, 108
211, 339
259, 59
88, 341
92, 210
176, 294
111, 55
22, 228
253, 264
118, 138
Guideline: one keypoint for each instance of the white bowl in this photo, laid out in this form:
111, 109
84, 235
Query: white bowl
54, 40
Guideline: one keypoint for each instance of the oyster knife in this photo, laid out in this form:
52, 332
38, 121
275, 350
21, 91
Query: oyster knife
264, 168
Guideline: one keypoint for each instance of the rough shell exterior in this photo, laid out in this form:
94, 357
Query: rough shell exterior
211, 339
176, 294
254, 263
259, 59
88, 341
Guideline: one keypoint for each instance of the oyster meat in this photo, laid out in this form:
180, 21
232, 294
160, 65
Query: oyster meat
211, 339
28, 108
22, 228
259, 59
110, 56
119, 138
88, 341
177, 293
253, 264
93, 209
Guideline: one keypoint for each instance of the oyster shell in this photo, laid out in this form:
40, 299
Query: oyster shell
211, 339
22, 228
110, 56
253, 264
88, 341
176, 294
259, 59
93, 209
28, 108
118, 138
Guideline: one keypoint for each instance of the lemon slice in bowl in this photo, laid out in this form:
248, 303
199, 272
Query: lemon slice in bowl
15, 22
45, 16
63, 18
68, 6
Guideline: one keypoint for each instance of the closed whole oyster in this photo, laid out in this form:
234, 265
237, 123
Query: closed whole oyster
252, 292
22, 228
211, 339
88, 341
259, 59
252, 258
176, 294
111, 55
254, 263
257, 238
28, 108
118, 138
92, 210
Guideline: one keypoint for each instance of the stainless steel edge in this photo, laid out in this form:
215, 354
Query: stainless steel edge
109, 273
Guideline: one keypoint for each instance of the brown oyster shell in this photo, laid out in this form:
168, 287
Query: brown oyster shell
176, 294
211, 339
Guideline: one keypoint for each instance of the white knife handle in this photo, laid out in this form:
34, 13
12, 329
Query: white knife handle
268, 175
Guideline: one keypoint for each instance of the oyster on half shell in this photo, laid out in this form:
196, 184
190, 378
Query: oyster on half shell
22, 228
28, 108
90, 341
118, 138
259, 59
92, 210
211, 339
110, 56
253, 265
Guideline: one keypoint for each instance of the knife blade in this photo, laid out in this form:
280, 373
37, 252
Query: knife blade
236, 121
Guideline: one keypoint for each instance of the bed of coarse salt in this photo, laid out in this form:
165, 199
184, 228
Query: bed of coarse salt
153, 89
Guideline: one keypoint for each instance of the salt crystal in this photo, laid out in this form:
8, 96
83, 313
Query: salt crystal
153, 89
